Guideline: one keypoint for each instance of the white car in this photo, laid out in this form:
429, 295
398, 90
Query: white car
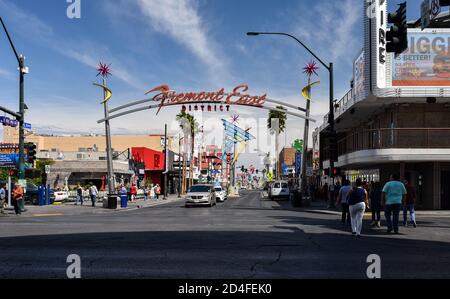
279, 189
221, 194
201, 195
60, 196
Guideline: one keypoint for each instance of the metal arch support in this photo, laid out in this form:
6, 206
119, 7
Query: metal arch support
178, 104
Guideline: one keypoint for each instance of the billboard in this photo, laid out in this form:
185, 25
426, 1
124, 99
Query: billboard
425, 63
9, 155
359, 77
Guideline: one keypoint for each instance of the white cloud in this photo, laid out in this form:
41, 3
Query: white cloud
82, 51
180, 19
6, 74
332, 23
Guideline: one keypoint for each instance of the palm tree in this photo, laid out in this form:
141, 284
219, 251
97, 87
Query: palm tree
282, 117
190, 121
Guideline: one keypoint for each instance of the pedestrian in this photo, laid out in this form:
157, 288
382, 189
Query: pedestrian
410, 201
2, 198
80, 198
129, 192
17, 198
123, 196
133, 192
357, 201
157, 191
394, 193
145, 193
93, 192
325, 192
375, 204
152, 192
342, 199
330, 196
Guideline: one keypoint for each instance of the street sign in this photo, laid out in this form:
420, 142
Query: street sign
27, 126
425, 19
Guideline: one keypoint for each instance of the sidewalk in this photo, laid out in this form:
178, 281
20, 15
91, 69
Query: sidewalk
70, 208
320, 207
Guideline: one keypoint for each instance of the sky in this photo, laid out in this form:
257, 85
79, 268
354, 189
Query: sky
191, 45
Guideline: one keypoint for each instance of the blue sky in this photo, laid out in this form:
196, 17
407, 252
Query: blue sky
190, 45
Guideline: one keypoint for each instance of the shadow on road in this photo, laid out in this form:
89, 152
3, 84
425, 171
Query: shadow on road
282, 252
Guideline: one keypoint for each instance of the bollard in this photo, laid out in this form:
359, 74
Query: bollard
47, 195
41, 196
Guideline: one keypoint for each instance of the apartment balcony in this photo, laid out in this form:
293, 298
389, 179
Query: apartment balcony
393, 145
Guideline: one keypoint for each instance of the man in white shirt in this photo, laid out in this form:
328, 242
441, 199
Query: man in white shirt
93, 192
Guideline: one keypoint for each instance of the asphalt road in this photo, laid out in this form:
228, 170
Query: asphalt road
248, 237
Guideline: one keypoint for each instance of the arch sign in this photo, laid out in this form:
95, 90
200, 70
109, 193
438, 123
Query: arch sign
205, 101
239, 96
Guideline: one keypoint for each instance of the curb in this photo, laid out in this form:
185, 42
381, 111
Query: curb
142, 207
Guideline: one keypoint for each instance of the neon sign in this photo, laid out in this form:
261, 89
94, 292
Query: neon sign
218, 100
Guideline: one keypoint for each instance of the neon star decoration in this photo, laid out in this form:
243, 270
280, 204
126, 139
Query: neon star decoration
104, 70
311, 68
235, 119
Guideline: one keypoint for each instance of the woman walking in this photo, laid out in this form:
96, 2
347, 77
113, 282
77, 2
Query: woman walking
357, 201
342, 200
375, 204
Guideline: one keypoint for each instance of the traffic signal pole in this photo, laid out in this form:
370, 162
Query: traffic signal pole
21, 114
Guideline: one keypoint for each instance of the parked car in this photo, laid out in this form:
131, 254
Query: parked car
31, 195
201, 195
279, 189
221, 194
60, 196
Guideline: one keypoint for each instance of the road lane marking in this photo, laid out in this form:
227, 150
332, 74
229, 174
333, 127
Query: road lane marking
47, 215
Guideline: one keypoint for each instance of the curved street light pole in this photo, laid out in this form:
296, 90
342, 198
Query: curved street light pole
21, 113
329, 67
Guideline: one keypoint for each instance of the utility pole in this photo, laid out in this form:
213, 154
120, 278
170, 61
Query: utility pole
179, 167
166, 163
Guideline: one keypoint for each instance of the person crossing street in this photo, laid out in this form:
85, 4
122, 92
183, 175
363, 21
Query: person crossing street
392, 198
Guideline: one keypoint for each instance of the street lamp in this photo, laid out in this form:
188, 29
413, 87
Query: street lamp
21, 115
329, 67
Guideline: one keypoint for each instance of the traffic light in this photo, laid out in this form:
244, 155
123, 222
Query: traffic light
334, 155
13, 173
397, 36
242, 169
31, 153
336, 172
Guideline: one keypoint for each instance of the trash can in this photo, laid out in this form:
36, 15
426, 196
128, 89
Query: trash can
123, 200
112, 201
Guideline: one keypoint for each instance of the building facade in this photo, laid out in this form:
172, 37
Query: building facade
396, 117
82, 158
